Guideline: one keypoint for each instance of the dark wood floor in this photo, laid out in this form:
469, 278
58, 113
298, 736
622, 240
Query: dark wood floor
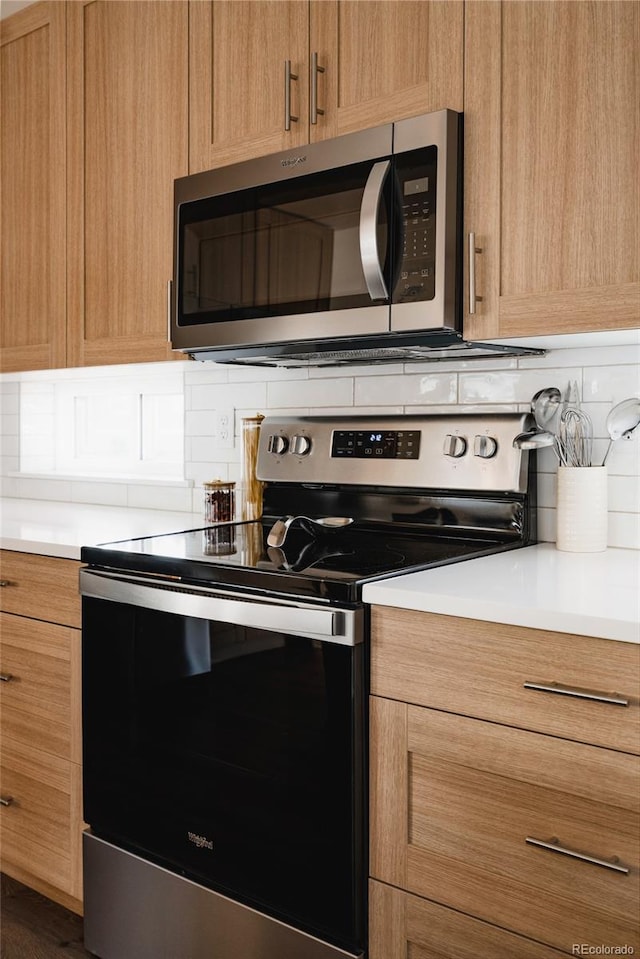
32, 927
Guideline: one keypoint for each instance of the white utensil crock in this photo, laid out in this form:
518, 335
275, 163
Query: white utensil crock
581, 512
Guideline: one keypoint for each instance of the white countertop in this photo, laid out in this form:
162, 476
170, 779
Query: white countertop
591, 594
60, 529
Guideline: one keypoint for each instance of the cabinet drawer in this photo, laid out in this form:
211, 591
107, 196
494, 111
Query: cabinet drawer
467, 798
40, 587
41, 826
480, 669
402, 925
40, 687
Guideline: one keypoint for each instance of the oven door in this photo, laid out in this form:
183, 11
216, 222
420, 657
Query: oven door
224, 740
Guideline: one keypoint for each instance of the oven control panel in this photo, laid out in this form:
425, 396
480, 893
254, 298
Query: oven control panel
453, 452
376, 444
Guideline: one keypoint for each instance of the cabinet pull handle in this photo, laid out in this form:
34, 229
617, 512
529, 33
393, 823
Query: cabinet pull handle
473, 297
315, 110
553, 845
613, 699
6, 800
5, 677
288, 77
5, 582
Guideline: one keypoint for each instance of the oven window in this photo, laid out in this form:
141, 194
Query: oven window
232, 755
280, 249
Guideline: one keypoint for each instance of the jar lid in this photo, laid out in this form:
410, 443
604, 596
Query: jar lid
219, 484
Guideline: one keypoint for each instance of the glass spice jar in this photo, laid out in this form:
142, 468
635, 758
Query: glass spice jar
219, 501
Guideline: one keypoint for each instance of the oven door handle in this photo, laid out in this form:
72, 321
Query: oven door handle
327, 625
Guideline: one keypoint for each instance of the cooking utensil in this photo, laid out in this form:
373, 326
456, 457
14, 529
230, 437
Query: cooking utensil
574, 431
546, 406
622, 421
574, 440
279, 530
534, 440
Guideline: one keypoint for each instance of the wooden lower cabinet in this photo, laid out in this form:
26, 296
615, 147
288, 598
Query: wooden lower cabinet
40, 723
40, 834
492, 834
403, 926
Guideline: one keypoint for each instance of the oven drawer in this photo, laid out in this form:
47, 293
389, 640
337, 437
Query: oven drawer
40, 587
40, 687
532, 833
403, 925
41, 815
507, 674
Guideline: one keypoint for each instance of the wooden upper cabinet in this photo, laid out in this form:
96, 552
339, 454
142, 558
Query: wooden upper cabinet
551, 147
237, 57
32, 134
385, 60
378, 60
127, 141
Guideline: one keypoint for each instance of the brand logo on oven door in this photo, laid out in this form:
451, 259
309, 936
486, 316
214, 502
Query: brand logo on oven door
200, 841
294, 161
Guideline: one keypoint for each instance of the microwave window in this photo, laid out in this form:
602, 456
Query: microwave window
289, 247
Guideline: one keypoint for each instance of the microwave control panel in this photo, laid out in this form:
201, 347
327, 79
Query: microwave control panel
417, 172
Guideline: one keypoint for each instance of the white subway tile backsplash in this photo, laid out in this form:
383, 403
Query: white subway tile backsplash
108, 494
311, 393
605, 375
624, 494
624, 530
611, 384
416, 389
512, 385
160, 497
583, 356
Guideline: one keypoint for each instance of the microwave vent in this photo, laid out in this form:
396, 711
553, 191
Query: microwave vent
290, 357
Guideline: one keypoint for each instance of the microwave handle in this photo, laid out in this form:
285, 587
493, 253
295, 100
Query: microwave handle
369, 253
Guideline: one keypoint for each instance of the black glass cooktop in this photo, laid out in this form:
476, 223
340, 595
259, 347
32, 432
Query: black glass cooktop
331, 565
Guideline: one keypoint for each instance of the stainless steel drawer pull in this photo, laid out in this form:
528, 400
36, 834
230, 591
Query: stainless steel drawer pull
553, 845
6, 800
288, 77
4, 582
614, 699
5, 677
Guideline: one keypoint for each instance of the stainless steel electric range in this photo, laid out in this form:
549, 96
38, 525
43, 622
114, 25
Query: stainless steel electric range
225, 679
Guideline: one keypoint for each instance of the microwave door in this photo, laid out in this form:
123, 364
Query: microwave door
301, 259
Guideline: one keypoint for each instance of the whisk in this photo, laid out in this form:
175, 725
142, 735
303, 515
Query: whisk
574, 438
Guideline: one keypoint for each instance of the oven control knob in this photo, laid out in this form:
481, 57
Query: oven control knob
278, 444
300, 445
485, 447
454, 445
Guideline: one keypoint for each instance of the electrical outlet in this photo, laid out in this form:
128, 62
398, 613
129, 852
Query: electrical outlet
225, 420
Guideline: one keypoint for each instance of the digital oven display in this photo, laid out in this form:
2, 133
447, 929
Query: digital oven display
376, 444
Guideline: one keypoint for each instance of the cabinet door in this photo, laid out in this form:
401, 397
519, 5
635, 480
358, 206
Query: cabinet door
32, 183
384, 60
401, 926
551, 133
128, 127
237, 55
524, 831
42, 825
40, 693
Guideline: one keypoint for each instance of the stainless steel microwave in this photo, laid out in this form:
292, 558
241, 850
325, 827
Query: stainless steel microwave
347, 250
